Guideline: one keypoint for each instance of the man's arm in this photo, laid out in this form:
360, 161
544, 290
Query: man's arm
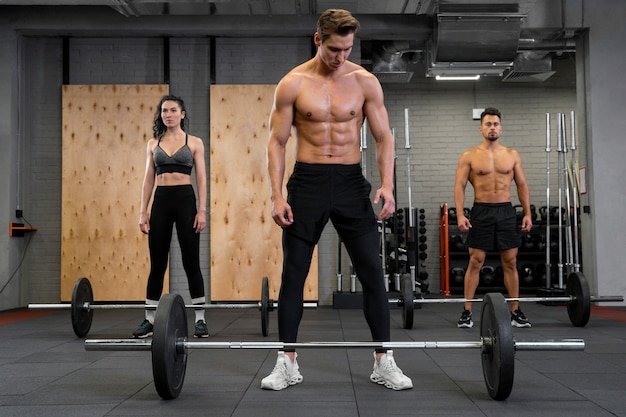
523, 192
460, 182
281, 120
378, 121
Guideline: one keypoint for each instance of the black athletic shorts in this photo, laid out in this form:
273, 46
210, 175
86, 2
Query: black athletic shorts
319, 192
494, 227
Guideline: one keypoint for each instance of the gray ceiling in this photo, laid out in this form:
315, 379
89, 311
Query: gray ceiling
270, 7
516, 40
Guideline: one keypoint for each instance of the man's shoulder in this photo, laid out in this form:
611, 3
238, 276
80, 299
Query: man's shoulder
472, 154
471, 151
497, 148
359, 72
300, 70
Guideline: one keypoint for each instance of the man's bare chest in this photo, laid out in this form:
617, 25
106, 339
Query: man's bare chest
329, 102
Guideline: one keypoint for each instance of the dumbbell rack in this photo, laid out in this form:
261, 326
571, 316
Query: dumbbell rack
407, 247
454, 258
405, 250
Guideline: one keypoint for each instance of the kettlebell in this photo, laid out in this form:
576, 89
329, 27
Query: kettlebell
487, 275
554, 214
457, 244
452, 215
541, 243
537, 237
456, 276
528, 242
527, 275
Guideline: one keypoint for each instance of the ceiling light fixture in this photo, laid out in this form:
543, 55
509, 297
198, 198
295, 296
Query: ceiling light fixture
457, 77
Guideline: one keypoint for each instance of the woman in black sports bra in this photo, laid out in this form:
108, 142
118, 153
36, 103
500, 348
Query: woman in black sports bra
170, 157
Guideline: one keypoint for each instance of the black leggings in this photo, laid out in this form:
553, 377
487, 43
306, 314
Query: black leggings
297, 259
174, 204
339, 193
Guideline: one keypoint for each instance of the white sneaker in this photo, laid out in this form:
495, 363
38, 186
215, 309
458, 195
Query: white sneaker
285, 373
387, 373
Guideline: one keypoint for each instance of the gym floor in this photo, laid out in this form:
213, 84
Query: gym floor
47, 372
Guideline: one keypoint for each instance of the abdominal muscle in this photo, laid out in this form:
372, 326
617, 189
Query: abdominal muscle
172, 178
328, 143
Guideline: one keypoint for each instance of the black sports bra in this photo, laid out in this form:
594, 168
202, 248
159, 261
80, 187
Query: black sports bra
181, 161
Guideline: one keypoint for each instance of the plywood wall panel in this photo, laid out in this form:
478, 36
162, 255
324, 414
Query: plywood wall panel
105, 132
245, 241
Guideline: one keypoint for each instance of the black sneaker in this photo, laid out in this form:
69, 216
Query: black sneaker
465, 320
518, 319
201, 329
145, 330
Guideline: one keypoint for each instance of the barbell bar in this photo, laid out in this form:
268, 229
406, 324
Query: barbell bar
82, 306
123, 306
556, 299
578, 300
146, 345
170, 346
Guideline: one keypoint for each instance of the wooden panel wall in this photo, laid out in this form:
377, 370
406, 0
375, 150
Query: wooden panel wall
105, 132
245, 241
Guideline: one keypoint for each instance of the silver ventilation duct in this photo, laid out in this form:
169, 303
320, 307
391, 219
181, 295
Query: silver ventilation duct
474, 40
391, 61
534, 62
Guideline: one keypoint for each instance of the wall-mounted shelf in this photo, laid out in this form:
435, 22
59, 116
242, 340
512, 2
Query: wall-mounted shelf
18, 229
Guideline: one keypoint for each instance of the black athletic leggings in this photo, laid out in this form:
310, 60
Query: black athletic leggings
296, 262
174, 205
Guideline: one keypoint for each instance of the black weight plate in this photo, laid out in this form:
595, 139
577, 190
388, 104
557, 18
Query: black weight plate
407, 301
169, 357
265, 307
498, 354
579, 309
81, 317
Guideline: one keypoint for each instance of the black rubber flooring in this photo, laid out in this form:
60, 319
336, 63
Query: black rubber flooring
45, 370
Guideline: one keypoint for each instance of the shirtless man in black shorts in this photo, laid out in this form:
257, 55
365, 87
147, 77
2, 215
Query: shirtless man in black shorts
490, 168
326, 100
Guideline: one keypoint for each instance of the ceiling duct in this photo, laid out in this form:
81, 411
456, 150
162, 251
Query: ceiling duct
474, 39
528, 68
534, 59
391, 61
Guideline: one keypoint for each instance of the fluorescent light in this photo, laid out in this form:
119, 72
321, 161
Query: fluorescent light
457, 77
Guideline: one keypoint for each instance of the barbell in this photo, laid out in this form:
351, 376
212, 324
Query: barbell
82, 306
169, 346
578, 300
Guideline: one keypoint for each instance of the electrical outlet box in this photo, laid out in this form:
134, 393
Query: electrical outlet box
19, 213
476, 113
